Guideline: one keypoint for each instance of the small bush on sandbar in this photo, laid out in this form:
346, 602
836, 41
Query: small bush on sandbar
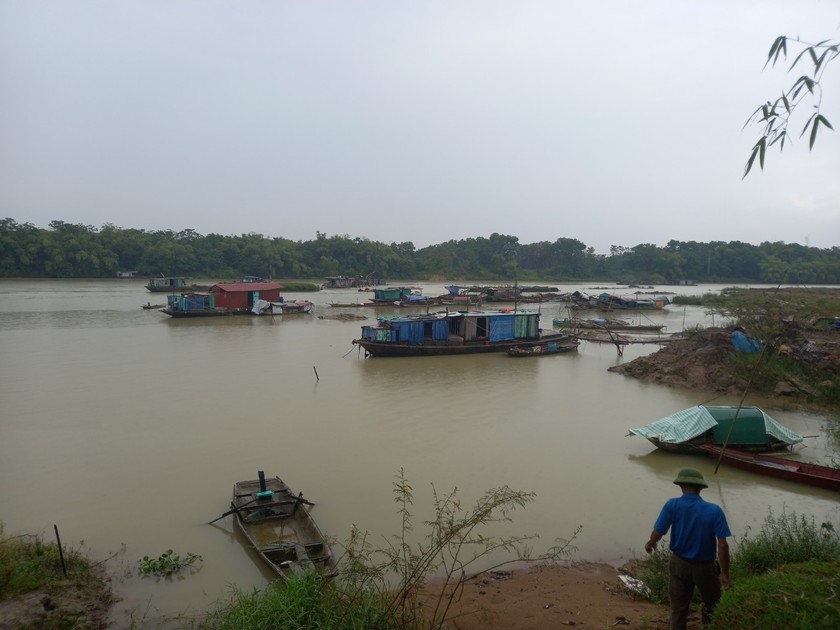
376, 587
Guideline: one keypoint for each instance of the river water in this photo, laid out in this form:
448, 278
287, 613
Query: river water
127, 429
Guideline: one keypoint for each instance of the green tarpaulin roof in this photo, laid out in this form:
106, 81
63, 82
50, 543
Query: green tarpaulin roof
752, 425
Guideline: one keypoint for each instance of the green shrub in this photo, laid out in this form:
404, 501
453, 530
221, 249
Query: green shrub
304, 602
793, 597
653, 571
376, 587
785, 539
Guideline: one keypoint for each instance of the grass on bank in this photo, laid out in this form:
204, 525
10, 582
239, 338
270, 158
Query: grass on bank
377, 585
785, 576
29, 564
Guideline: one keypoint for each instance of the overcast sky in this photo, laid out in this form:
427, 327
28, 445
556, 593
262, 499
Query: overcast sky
611, 122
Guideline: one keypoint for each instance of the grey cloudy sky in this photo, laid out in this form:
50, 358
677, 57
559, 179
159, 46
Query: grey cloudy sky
612, 122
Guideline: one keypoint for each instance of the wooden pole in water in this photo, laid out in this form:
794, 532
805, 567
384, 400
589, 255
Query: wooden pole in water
60, 552
317, 378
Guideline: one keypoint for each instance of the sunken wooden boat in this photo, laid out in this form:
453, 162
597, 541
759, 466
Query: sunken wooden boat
279, 527
452, 333
778, 467
620, 325
544, 348
744, 428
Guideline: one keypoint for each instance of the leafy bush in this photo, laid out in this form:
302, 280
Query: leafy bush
785, 539
377, 586
652, 570
304, 602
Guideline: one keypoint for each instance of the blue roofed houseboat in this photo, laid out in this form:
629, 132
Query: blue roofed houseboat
445, 333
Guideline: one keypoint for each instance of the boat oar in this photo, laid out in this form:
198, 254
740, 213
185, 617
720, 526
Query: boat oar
231, 511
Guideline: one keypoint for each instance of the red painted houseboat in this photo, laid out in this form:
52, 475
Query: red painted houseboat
224, 298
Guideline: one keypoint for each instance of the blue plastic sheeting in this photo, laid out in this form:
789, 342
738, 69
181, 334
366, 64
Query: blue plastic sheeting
440, 330
501, 327
187, 302
743, 343
409, 332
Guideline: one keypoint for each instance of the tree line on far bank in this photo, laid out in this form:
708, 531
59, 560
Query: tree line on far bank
67, 250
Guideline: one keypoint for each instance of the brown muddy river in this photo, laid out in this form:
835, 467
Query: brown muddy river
127, 429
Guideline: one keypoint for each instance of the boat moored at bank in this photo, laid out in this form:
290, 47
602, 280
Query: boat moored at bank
747, 429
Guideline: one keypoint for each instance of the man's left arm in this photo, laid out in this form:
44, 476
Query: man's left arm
723, 558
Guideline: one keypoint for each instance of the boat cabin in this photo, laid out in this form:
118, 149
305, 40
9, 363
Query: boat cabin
243, 295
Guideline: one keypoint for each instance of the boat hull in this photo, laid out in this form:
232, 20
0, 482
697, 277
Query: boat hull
434, 349
693, 446
777, 467
543, 349
218, 312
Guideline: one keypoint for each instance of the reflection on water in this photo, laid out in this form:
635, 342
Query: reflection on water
124, 426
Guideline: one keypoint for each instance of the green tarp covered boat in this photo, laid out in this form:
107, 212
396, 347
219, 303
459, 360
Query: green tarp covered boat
742, 428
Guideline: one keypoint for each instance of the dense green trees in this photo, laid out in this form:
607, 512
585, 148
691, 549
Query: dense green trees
66, 250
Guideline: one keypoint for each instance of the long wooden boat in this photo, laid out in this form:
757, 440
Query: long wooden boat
452, 333
173, 284
279, 527
610, 302
778, 467
544, 348
607, 324
744, 428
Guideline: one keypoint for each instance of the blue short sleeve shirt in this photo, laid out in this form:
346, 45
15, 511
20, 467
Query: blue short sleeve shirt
696, 525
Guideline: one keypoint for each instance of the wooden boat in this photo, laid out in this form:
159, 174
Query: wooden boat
173, 284
544, 348
609, 336
346, 304
744, 428
460, 332
610, 302
789, 469
389, 296
607, 324
279, 527
293, 307
297, 307
148, 306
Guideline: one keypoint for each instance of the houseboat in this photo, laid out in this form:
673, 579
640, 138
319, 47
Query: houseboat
445, 333
224, 298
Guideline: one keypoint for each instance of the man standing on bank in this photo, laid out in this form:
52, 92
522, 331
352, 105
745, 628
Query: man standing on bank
699, 533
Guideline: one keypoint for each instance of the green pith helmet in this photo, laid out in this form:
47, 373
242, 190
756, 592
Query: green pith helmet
691, 477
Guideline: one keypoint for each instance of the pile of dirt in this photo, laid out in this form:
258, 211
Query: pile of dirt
706, 360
